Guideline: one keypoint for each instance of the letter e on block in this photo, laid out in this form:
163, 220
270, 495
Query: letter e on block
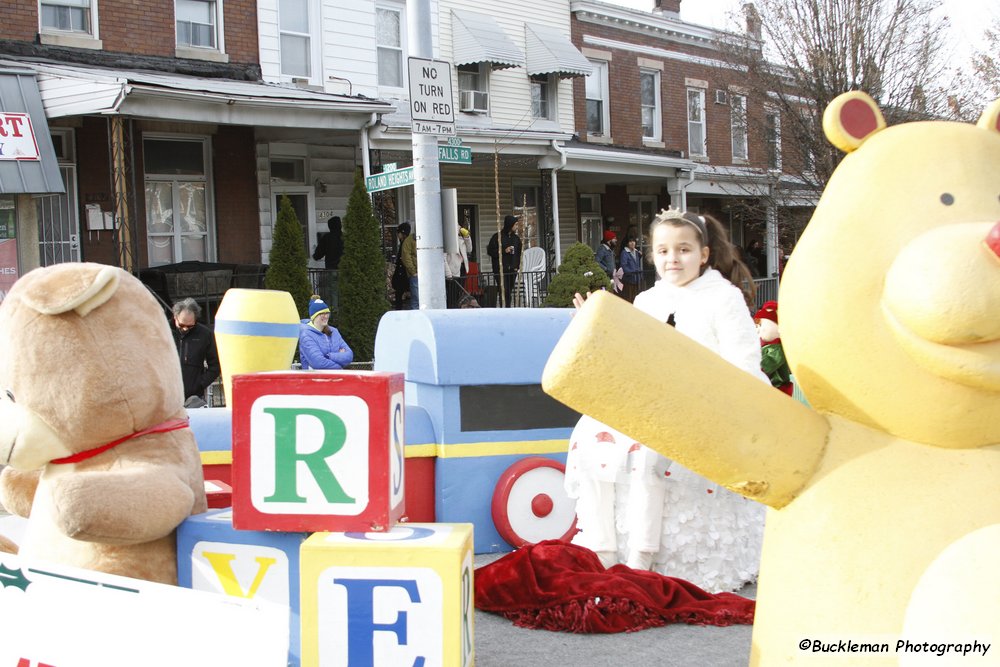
387, 599
318, 451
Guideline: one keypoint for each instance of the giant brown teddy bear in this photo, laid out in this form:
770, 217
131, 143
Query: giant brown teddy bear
92, 425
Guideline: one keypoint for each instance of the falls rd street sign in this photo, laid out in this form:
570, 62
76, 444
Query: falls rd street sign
455, 154
388, 180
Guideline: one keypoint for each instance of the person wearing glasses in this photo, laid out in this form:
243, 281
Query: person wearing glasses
197, 352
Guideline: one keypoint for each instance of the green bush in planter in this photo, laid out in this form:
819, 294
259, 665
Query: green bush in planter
288, 268
363, 298
579, 272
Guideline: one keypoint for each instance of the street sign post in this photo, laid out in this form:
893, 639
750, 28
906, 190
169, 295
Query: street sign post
432, 107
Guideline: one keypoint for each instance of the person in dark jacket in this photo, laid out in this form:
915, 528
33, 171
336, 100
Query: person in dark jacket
196, 350
331, 245
605, 255
505, 243
321, 346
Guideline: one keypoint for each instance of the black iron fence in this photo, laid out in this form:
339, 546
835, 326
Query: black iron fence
205, 282
525, 289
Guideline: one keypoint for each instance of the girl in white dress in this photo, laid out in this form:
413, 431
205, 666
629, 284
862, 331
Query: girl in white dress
634, 505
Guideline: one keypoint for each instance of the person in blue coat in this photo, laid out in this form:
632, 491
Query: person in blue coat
321, 346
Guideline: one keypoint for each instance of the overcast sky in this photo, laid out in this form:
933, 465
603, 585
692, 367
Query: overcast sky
968, 17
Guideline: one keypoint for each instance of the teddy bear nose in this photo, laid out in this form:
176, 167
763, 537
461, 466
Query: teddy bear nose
993, 239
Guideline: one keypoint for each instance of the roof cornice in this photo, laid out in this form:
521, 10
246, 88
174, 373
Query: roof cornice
649, 23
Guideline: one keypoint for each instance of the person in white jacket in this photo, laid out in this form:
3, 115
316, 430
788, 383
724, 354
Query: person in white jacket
456, 265
634, 505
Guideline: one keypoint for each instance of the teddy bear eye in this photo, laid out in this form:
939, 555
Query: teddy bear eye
947, 199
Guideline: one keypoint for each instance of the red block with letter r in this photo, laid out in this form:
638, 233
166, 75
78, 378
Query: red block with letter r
318, 451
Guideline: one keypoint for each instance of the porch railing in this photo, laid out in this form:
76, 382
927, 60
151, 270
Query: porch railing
483, 290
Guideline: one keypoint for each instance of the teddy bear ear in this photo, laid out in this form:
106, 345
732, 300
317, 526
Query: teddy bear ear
850, 119
990, 120
71, 286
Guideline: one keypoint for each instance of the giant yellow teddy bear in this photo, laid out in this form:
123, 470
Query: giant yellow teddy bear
883, 542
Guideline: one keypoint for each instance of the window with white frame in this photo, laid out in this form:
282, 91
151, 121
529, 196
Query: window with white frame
649, 103
295, 38
68, 15
543, 87
696, 122
179, 221
598, 113
474, 88
196, 23
738, 123
772, 138
389, 30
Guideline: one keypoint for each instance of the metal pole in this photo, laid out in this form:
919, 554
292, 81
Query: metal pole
426, 177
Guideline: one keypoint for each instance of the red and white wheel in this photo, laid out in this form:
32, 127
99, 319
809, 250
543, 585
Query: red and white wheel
530, 504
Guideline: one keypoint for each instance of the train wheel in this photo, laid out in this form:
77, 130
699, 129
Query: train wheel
530, 504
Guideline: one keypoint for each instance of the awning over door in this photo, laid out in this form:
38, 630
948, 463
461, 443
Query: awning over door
478, 38
549, 51
71, 90
27, 160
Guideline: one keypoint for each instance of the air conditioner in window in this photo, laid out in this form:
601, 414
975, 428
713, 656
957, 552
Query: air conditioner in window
721, 97
473, 101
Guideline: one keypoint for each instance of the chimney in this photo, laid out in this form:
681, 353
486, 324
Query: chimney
753, 20
671, 8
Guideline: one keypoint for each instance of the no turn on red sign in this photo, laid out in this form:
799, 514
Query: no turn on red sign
432, 108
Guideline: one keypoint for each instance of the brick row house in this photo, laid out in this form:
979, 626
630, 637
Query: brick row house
171, 146
663, 93
177, 124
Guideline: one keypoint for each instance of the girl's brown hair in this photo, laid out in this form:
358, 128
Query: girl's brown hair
721, 253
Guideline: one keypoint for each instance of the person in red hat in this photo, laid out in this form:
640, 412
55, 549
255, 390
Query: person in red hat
772, 355
606, 252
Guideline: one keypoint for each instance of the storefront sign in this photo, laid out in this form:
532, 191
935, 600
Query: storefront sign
17, 138
8, 247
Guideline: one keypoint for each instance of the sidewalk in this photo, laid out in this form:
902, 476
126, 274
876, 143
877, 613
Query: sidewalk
499, 643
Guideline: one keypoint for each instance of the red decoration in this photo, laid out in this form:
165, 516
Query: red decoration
558, 586
530, 505
163, 427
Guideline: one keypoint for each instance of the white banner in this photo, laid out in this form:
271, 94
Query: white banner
68, 617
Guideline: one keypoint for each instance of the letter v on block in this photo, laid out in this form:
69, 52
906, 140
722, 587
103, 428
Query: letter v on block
222, 564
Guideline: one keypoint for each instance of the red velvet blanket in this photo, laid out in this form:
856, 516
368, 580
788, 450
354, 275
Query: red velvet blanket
554, 585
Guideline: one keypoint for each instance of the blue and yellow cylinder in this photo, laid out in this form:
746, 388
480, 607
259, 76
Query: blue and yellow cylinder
255, 330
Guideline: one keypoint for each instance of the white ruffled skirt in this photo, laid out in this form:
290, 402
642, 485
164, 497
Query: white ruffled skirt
698, 530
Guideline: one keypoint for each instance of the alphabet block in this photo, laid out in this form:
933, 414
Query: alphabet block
318, 451
213, 556
385, 599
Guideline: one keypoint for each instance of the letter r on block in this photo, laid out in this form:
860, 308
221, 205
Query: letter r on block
287, 456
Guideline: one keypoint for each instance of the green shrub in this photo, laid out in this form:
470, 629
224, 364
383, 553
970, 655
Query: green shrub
288, 268
579, 272
363, 298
